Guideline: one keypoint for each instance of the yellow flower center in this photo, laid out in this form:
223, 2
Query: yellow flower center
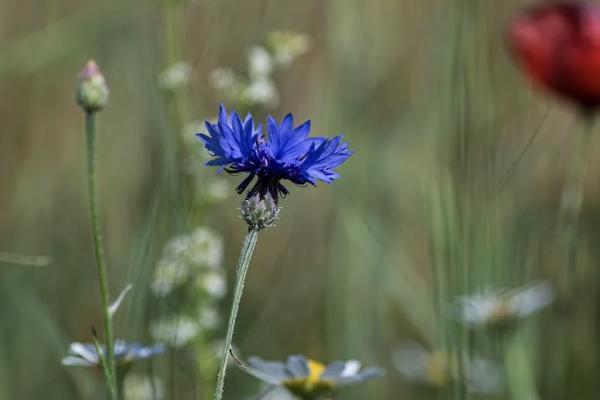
438, 369
502, 312
315, 369
311, 386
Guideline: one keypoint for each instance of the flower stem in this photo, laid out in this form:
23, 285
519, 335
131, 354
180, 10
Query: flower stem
241, 271
109, 371
573, 194
571, 205
520, 379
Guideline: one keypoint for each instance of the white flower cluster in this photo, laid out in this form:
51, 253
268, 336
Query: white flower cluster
176, 331
258, 88
190, 280
287, 46
188, 258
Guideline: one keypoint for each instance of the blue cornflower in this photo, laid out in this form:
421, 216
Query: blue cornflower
285, 153
85, 354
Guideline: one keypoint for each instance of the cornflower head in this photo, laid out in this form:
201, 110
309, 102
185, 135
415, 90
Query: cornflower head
438, 369
92, 91
499, 308
309, 379
286, 153
196, 257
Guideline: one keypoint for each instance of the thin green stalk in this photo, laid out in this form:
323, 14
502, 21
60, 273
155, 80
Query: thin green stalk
574, 192
241, 271
520, 378
173, 53
120, 379
90, 130
572, 202
176, 110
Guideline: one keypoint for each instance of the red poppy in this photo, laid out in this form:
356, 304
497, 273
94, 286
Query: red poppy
558, 45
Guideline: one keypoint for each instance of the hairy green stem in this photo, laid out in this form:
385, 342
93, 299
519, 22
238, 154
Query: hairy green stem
241, 271
109, 371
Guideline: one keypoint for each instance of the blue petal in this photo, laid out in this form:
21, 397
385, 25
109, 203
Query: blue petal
286, 143
231, 141
322, 159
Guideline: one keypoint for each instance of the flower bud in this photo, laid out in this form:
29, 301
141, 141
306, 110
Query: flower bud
92, 91
258, 212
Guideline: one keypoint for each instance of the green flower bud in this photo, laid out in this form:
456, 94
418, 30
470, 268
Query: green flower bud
259, 213
92, 91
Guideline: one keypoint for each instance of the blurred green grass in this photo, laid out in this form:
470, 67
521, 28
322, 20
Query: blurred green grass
425, 94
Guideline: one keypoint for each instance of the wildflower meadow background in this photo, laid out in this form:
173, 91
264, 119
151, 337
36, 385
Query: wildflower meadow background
455, 257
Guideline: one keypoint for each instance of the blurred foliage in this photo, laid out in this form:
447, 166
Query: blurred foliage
455, 185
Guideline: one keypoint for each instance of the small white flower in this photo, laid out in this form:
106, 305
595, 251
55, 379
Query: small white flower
530, 300
219, 189
502, 306
437, 369
86, 354
484, 376
224, 80
209, 318
419, 365
184, 257
308, 378
260, 65
176, 331
214, 284
207, 248
175, 76
262, 91
168, 275
287, 46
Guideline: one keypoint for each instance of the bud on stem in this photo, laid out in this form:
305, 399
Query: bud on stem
259, 212
92, 91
